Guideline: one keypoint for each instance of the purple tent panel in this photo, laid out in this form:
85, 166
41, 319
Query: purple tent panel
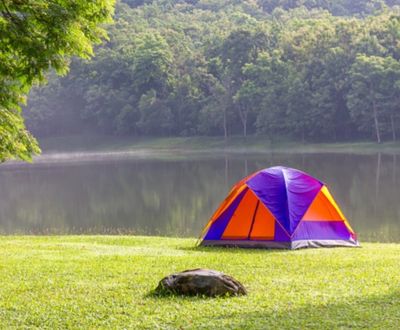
322, 230
286, 192
217, 228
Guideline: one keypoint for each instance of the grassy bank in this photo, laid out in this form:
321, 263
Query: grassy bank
204, 144
105, 281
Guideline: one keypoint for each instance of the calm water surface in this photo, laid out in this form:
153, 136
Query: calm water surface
176, 196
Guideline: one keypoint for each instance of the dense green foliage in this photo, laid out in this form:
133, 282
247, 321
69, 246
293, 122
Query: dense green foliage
105, 282
309, 70
36, 35
336, 7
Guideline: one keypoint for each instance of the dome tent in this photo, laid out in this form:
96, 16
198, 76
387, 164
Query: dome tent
279, 207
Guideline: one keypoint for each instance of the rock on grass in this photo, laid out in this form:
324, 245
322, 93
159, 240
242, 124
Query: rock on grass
202, 282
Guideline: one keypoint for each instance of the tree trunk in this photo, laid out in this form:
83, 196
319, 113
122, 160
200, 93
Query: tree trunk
377, 180
243, 119
393, 127
376, 122
226, 170
225, 125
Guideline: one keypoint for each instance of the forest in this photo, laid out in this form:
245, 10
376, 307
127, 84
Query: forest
304, 70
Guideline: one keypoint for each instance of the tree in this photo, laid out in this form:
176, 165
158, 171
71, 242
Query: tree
36, 35
245, 99
393, 104
241, 47
374, 93
270, 73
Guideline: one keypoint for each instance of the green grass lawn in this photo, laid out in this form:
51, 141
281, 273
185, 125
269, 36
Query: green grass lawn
106, 281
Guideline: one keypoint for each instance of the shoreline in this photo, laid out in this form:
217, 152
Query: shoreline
251, 144
133, 235
98, 149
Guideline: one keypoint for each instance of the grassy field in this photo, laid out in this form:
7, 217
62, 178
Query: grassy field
105, 282
206, 144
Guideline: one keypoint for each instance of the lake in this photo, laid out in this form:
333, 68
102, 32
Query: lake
175, 195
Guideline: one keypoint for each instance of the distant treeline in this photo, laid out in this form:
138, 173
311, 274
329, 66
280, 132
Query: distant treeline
301, 69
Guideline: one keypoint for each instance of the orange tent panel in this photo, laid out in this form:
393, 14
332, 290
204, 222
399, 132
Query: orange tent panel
240, 223
225, 204
264, 224
321, 209
328, 195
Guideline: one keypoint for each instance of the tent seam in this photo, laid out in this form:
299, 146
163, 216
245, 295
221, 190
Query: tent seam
279, 223
287, 198
302, 220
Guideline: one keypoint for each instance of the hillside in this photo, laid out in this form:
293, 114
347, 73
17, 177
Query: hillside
302, 70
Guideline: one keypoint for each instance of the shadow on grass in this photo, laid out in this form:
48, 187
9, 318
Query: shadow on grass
233, 249
377, 312
168, 295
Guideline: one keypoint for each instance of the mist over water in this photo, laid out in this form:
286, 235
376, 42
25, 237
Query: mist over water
175, 196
